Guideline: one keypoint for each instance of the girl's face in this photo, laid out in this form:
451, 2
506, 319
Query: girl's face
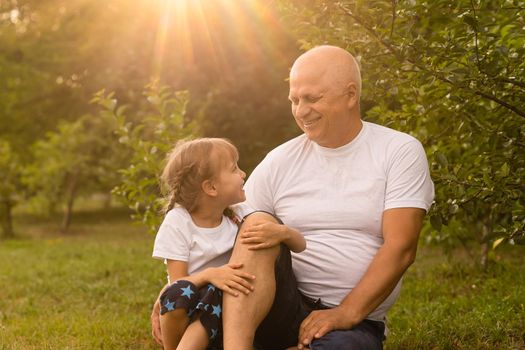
229, 182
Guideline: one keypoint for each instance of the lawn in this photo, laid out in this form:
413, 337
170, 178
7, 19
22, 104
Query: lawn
93, 289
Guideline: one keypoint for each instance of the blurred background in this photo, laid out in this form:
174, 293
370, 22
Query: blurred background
94, 93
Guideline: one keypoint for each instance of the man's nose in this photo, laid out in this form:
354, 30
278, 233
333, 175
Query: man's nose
302, 109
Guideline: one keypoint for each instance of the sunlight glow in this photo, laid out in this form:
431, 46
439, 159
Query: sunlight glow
195, 30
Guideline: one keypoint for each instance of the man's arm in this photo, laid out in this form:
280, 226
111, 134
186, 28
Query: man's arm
401, 227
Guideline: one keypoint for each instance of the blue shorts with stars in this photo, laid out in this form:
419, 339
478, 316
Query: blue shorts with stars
204, 303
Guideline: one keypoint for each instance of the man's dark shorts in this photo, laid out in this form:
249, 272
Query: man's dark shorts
280, 328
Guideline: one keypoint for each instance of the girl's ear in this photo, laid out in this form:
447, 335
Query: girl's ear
208, 187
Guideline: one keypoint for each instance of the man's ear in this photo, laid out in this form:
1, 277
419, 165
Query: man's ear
353, 97
208, 187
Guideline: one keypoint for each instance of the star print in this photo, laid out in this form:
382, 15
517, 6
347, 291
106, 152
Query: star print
214, 333
216, 310
187, 292
169, 305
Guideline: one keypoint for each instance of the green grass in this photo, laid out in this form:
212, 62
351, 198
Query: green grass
93, 289
450, 304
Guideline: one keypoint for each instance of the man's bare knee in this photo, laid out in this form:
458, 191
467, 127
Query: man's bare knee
257, 217
242, 253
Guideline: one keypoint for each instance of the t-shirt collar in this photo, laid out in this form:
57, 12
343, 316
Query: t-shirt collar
345, 149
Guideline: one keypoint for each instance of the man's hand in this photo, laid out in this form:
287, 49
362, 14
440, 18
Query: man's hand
155, 322
320, 322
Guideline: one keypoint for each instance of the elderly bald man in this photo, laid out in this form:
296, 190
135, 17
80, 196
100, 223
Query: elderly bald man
357, 191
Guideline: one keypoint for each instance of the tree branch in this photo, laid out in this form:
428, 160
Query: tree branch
394, 4
402, 59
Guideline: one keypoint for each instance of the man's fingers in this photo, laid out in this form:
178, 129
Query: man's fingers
307, 330
309, 333
322, 331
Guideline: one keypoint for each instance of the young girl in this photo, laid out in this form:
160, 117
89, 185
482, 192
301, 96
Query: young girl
196, 239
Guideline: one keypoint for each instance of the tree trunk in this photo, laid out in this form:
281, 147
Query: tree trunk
107, 200
486, 231
72, 182
7, 219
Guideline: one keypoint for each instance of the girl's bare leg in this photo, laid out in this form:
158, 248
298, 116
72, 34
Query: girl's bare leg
173, 325
195, 337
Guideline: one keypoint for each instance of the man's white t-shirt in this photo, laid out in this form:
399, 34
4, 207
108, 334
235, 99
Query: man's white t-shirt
180, 239
336, 199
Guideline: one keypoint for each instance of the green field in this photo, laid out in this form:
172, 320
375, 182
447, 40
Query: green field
93, 289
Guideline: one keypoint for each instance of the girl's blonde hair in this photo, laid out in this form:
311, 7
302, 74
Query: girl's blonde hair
189, 164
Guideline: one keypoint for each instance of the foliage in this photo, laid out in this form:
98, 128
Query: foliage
80, 157
149, 135
10, 186
451, 74
56, 54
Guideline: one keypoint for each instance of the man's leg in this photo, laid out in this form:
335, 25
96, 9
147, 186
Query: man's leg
367, 335
242, 314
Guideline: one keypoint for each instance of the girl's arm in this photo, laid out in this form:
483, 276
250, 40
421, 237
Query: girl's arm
228, 277
263, 234
178, 270
295, 240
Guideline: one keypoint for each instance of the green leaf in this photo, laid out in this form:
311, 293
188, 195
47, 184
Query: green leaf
436, 222
505, 170
497, 242
471, 21
442, 160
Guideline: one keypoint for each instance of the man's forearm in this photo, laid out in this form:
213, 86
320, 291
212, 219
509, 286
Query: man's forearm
401, 229
380, 279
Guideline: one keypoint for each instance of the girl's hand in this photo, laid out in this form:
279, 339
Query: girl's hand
263, 235
231, 280
155, 322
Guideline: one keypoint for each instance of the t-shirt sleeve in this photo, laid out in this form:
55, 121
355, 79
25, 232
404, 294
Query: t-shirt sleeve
171, 242
242, 209
258, 188
408, 179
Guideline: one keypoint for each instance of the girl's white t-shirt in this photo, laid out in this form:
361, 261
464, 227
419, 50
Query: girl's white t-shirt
178, 238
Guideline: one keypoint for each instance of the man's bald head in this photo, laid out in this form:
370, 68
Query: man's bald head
331, 62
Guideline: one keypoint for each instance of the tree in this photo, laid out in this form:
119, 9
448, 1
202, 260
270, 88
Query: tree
81, 157
149, 134
10, 171
450, 73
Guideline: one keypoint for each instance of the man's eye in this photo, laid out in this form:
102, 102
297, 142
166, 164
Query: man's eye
312, 99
